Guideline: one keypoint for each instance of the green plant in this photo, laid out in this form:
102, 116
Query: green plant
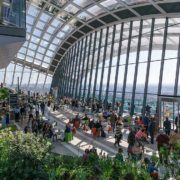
25, 156
22, 155
4, 93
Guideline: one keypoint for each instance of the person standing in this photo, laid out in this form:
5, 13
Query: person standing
146, 122
42, 105
167, 126
113, 119
162, 142
37, 109
17, 113
118, 132
131, 141
151, 129
177, 122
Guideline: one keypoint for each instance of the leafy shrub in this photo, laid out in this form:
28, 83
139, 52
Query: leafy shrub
25, 156
4, 93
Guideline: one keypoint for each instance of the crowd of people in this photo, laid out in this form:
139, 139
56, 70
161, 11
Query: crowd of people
142, 130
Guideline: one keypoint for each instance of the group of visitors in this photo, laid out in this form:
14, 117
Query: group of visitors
94, 104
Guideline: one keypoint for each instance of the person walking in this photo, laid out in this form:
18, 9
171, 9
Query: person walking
167, 126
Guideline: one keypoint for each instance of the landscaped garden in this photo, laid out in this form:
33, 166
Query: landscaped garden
26, 156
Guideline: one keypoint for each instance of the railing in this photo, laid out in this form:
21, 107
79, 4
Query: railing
13, 13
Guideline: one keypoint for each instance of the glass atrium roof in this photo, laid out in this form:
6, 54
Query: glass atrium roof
54, 25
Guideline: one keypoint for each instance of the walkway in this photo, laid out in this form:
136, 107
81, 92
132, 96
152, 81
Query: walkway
83, 140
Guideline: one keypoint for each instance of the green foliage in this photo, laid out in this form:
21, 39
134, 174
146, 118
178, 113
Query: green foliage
25, 156
4, 93
22, 155
11, 127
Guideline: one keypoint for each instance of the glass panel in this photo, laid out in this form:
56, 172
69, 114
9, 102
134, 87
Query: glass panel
141, 78
111, 4
45, 17
178, 93
95, 10
30, 20
40, 25
71, 9
84, 16
56, 41
152, 102
41, 81
37, 62
60, 34
44, 43
32, 46
9, 74
67, 28
98, 78
33, 11
25, 44
18, 73
143, 56
29, 59
47, 59
23, 50
169, 74
47, 36
21, 56
50, 53
39, 56
82, 3
156, 55
120, 78
154, 77
51, 29
33, 78
130, 78
41, 50
2, 75
28, 28
52, 47
25, 77
138, 103
56, 23
35, 39
45, 65
37, 32
112, 78
48, 82
30, 53
132, 2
